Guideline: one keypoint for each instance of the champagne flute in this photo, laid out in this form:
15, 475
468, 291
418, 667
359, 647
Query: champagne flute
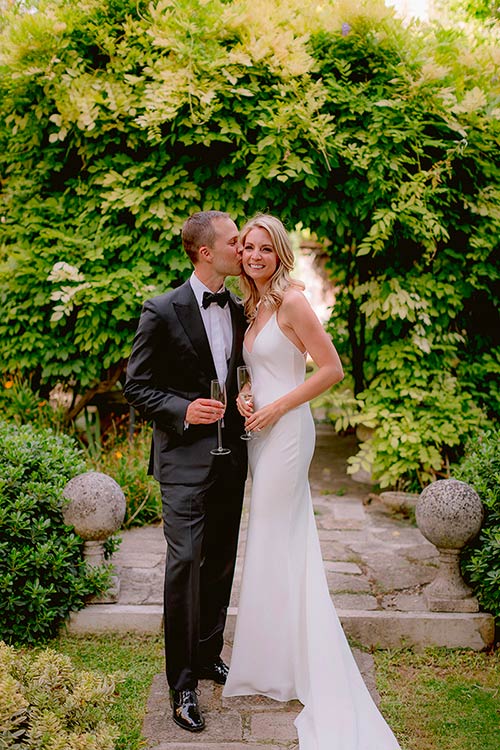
218, 392
245, 392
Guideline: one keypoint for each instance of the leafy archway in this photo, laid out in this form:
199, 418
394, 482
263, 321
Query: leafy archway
119, 118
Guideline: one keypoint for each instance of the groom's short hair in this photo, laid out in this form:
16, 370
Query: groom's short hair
199, 230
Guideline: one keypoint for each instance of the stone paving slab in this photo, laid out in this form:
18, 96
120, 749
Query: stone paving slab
359, 603
245, 722
391, 629
102, 618
227, 720
358, 613
343, 567
406, 602
347, 583
202, 744
280, 728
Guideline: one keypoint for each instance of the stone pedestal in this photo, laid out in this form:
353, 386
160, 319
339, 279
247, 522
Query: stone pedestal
448, 592
93, 553
449, 514
96, 509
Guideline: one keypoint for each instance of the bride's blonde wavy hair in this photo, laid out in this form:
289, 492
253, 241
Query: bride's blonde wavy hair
281, 280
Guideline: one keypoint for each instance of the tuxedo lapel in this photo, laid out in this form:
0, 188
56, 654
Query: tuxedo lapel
188, 314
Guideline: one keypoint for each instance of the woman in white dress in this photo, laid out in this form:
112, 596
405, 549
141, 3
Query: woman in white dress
288, 641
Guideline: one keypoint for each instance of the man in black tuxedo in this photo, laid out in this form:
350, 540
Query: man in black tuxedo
185, 339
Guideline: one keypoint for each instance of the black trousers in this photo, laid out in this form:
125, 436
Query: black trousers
201, 526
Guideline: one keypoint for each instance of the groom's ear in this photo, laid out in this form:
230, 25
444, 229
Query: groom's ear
204, 253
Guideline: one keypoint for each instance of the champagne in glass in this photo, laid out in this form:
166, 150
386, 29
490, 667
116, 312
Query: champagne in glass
245, 392
218, 392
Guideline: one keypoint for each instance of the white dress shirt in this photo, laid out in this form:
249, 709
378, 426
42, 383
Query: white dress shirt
218, 326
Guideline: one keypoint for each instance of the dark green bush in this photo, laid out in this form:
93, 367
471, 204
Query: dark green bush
481, 560
42, 573
46, 703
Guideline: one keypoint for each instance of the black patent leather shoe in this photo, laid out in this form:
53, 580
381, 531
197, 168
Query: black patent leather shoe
186, 711
216, 671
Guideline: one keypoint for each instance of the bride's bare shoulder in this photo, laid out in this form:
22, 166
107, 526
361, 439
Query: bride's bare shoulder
294, 299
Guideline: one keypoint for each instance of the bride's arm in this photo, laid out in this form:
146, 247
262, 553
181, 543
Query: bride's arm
299, 322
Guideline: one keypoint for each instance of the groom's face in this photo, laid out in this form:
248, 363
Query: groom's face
226, 248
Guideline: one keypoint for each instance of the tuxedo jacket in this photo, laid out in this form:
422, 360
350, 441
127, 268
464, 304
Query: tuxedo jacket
171, 365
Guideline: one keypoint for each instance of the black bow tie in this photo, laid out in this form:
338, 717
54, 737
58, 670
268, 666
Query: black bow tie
219, 298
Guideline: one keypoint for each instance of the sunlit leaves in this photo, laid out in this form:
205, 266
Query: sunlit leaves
121, 117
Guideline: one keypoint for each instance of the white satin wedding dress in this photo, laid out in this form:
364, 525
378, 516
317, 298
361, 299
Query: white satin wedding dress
288, 641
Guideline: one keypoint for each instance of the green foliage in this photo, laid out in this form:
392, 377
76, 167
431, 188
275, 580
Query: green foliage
480, 468
21, 404
133, 659
127, 462
142, 117
484, 10
111, 453
416, 425
42, 573
415, 256
46, 703
381, 140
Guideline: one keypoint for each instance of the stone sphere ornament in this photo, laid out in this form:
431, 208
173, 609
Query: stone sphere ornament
449, 514
96, 506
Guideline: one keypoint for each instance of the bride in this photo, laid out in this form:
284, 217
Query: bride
288, 641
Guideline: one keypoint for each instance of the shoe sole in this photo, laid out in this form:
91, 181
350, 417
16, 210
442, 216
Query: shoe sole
188, 729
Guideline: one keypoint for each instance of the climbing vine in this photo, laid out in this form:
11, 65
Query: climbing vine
121, 117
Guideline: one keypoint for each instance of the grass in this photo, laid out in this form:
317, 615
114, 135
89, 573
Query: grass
133, 660
340, 492
441, 699
433, 700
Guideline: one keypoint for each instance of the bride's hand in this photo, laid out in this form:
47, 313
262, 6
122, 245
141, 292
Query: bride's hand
245, 408
265, 417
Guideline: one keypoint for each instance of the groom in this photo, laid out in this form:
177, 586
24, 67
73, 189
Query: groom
185, 339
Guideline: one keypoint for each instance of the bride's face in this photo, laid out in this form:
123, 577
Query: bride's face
259, 257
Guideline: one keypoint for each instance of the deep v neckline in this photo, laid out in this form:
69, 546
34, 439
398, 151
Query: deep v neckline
258, 333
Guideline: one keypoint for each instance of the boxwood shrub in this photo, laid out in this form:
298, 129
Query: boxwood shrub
42, 573
480, 468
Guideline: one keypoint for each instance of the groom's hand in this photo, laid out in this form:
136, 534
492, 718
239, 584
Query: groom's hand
204, 411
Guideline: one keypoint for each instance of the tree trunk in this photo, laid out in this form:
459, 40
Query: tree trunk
356, 328
81, 402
